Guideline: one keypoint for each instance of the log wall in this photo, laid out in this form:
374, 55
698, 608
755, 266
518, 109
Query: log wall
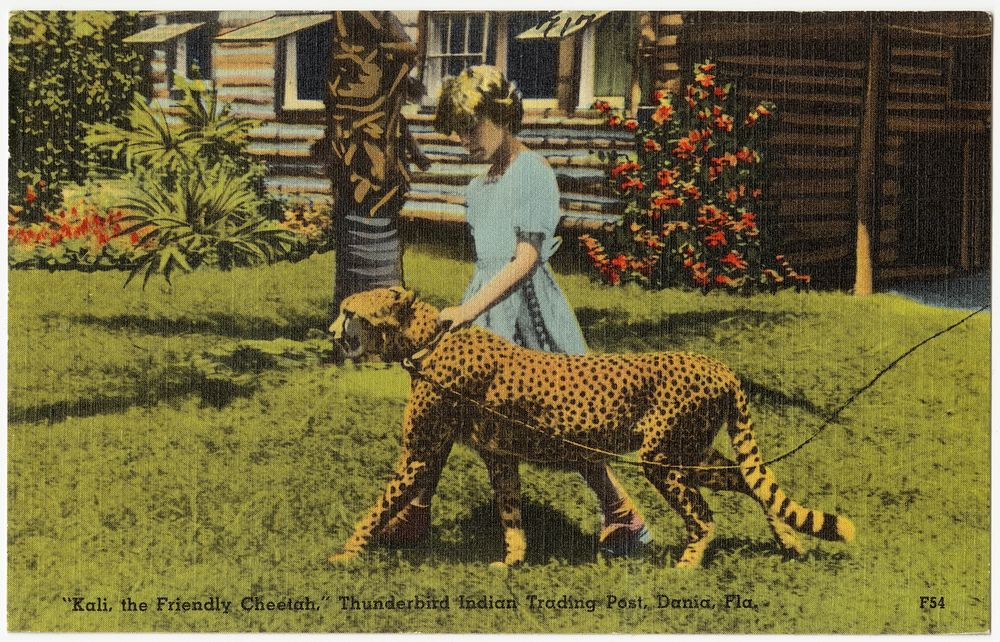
814, 67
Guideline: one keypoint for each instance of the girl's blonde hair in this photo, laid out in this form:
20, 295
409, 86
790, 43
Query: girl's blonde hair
478, 92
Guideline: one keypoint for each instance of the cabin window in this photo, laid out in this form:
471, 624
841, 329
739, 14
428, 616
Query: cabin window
197, 47
307, 54
532, 64
456, 41
615, 46
606, 52
192, 51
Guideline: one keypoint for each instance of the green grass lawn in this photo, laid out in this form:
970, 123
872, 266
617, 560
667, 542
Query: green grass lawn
126, 480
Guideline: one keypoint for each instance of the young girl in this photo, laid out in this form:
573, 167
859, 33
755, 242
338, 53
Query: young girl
513, 211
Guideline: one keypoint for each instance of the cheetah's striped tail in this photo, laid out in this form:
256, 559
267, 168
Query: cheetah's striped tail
765, 487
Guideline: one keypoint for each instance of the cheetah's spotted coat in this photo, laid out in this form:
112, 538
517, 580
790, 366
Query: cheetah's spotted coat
666, 406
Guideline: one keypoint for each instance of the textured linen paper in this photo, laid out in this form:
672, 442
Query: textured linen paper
477, 321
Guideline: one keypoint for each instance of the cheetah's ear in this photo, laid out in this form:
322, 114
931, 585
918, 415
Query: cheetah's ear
404, 296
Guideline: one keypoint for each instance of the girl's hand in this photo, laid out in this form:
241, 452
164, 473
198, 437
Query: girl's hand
455, 316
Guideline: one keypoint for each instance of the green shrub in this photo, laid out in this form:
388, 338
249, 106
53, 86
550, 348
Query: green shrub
196, 195
67, 69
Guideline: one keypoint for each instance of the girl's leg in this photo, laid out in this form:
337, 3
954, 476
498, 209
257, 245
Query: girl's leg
623, 530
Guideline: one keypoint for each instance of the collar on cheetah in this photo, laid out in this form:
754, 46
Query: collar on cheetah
414, 362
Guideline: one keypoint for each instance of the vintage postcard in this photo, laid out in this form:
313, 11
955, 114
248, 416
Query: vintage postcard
499, 321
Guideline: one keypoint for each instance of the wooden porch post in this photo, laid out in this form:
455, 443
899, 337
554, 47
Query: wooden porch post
645, 40
965, 248
566, 74
870, 160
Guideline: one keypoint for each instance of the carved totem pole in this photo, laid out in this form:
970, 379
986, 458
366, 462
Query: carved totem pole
365, 147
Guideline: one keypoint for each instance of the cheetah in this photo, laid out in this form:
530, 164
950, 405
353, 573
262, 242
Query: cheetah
512, 404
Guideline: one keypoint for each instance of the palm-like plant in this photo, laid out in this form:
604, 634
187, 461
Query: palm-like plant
149, 140
209, 217
196, 197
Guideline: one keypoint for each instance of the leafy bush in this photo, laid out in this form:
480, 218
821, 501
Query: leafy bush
198, 196
690, 195
67, 69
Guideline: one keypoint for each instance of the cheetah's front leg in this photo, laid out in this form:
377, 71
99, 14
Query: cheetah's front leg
506, 484
411, 473
685, 498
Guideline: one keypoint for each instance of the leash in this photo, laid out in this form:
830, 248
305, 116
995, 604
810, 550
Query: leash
413, 366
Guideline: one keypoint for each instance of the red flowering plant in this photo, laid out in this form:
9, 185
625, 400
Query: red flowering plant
79, 236
29, 200
690, 195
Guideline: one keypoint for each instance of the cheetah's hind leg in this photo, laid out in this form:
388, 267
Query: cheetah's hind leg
722, 473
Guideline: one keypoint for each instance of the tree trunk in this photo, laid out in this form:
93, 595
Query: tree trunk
370, 58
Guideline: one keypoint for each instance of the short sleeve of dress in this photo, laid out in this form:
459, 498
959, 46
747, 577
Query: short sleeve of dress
536, 204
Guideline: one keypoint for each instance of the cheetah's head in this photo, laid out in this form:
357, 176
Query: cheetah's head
373, 325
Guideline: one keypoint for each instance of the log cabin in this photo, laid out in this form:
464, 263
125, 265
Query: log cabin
879, 166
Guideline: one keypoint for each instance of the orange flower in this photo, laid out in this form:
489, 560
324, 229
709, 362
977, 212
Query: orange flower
716, 239
733, 259
662, 113
667, 176
732, 195
705, 80
631, 124
651, 145
632, 183
706, 67
619, 262
724, 122
699, 274
684, 148
626, 166
29, 195
665, 200
672, 226
692, 190
773, 275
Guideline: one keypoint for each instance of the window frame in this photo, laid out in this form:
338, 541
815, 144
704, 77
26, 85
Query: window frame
177, 57
290, 100
438, 38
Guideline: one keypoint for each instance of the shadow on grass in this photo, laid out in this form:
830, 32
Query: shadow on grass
765, 548
214, 393
605, 331
220, 324
761, 394
550, 534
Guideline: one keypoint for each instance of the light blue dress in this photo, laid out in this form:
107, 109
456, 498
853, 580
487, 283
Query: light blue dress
523, 203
